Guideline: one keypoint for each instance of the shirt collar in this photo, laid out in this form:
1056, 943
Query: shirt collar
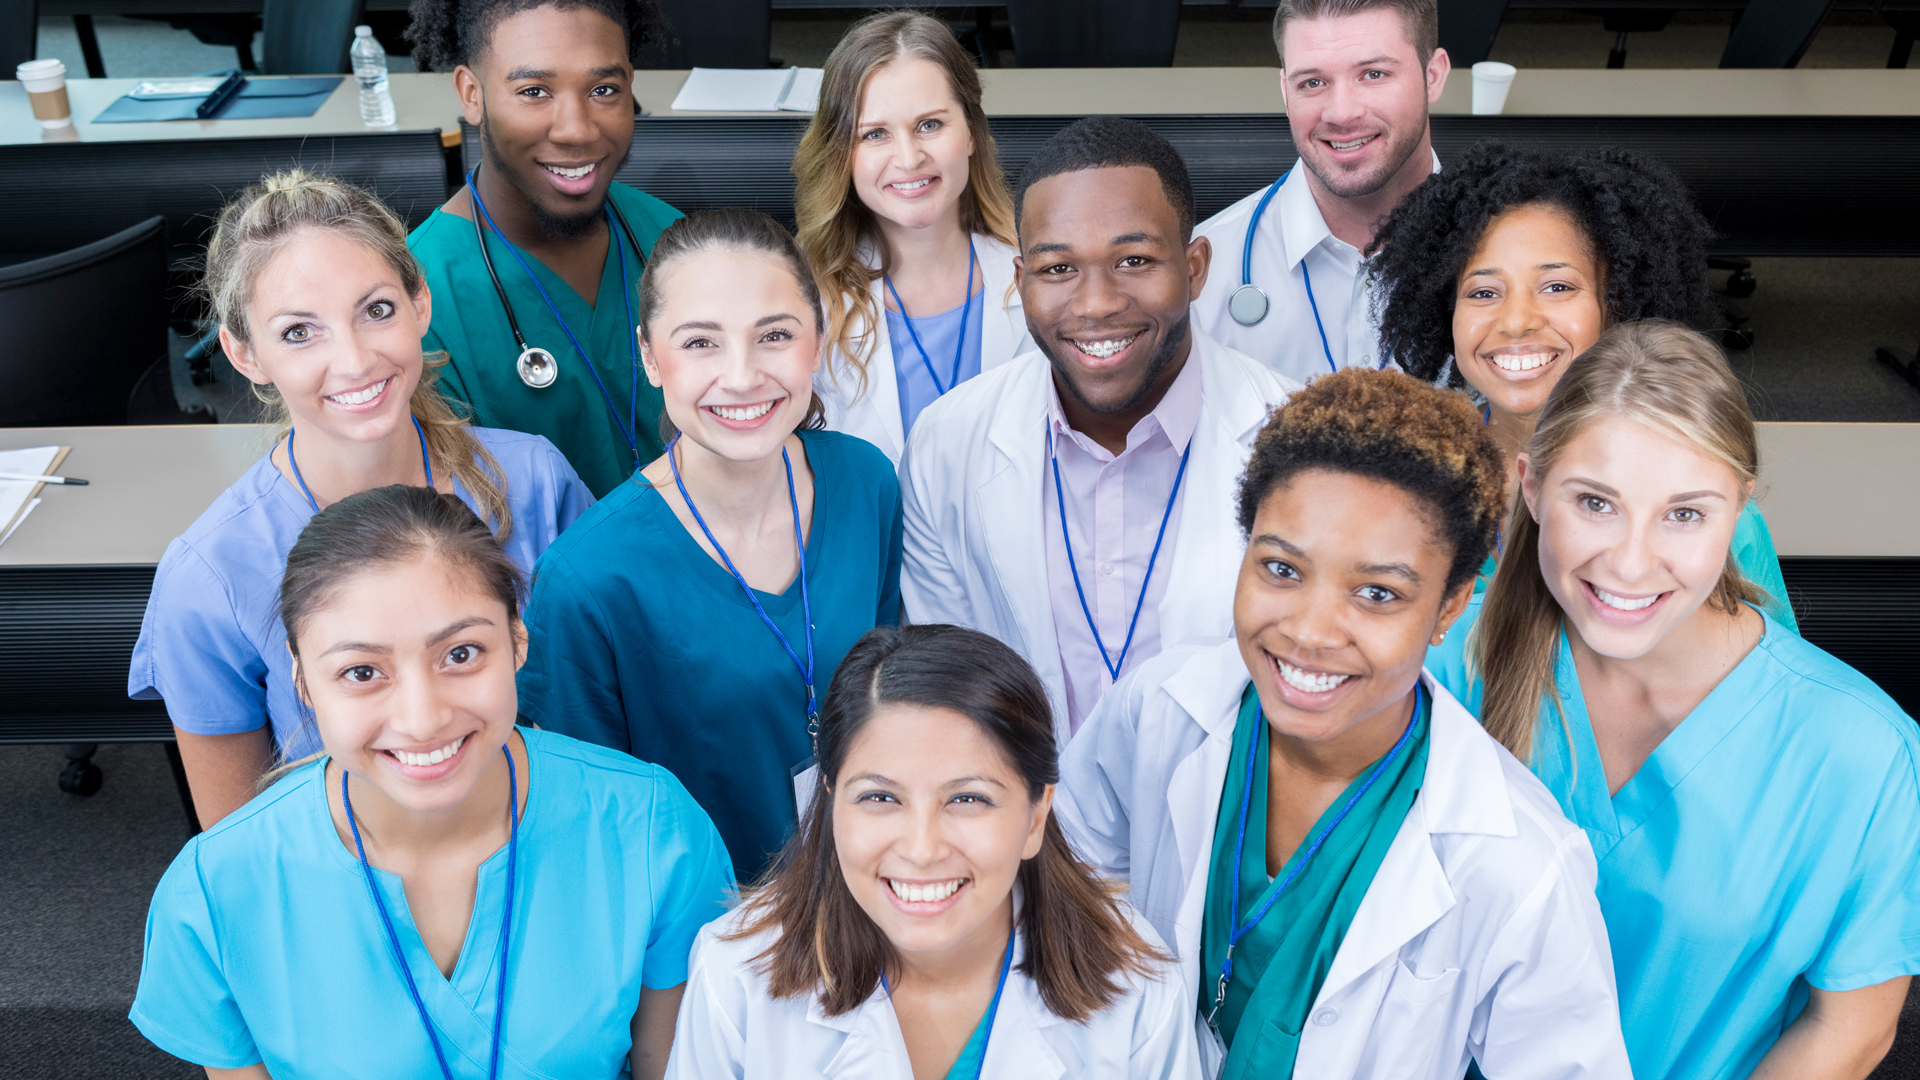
1302, 228
1177, 415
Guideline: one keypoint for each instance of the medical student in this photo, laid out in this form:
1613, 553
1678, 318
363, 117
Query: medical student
1289, 287
695, 616
1077, 502
1357, 879
1502, 270
930, 920
1753, 801
536, 257
903, 210
321, 305
439, 894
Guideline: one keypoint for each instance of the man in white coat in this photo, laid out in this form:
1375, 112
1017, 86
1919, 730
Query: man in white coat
1076, 503
1359, 76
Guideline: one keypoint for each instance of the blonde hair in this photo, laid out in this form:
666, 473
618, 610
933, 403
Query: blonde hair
1660, 374
833, 222
253, 228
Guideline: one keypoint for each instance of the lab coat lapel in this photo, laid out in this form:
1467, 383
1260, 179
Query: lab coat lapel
1010, 503
874, 1048
1016, 1046
1003, 327
1208, 688
883, 386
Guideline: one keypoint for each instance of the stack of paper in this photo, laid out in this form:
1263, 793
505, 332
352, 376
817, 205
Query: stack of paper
19, 497
750, 90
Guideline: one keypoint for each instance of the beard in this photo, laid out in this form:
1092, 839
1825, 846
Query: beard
1361, 185
1163, 356
553, 226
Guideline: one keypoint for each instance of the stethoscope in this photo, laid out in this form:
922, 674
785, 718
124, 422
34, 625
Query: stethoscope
1248, 304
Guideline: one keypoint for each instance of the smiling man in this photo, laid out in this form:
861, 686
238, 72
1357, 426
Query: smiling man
1359, 76
542, 340
1077, 502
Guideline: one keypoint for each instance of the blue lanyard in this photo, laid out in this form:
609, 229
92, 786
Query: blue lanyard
806, 601
959, 348
630, 430
506, 921
1006, 964
1237, 929
1066, 537
425, 463
1246, 268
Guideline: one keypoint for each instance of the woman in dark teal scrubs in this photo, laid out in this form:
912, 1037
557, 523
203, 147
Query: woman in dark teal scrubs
694, 617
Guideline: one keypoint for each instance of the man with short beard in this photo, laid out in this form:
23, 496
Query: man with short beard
1359, 77
1077, 501
550, 86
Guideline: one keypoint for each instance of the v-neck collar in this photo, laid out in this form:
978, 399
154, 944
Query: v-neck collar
712, 573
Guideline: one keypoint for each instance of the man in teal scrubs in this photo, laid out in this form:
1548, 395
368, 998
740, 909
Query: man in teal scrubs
551, 90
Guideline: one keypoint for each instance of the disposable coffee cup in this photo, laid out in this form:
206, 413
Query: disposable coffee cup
1491, 81
46, 84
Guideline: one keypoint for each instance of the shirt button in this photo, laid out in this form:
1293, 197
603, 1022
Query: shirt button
1326, 1017
1106, 568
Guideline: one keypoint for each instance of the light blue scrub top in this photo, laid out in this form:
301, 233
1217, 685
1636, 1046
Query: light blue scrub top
211, 643
1768, 844
940, 334
263, 945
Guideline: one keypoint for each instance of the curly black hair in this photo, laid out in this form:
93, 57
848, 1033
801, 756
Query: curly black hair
448, 33
1390, 427
1649, 240
1109, 142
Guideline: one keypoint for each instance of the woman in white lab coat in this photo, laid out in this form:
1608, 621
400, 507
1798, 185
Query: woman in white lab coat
902, 207
1357, 880
929, 920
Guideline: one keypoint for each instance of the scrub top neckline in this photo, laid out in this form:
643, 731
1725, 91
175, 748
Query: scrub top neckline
1729, 703
980, 286
289, 494
711, 573
608, 268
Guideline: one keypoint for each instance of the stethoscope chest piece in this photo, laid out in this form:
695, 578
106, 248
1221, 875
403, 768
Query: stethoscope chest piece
537, 367
1248, 305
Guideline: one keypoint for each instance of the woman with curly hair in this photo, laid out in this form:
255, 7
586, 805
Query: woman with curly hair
1356, 878
1498, 272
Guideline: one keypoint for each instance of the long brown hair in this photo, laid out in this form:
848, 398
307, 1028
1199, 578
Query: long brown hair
261, 220
833, 223
1079, 943
1660, 374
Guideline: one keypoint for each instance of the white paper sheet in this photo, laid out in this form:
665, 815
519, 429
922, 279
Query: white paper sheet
31, 503
14, 494
804, 94
749, 90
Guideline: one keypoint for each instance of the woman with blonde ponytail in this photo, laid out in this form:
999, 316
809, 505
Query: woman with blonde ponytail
322, 306
1754, 803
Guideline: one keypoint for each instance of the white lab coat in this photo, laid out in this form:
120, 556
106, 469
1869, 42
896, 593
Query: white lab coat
972, 481
730, 1027
1480, 935
873, 414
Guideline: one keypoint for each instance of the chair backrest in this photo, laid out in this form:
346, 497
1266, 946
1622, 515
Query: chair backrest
1467, 29
1774, 33
82, 326
19, 33
1094, 33
713, 33
307, 37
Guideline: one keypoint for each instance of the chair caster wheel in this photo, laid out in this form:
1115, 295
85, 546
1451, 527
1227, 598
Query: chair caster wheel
81, 778
1742, 284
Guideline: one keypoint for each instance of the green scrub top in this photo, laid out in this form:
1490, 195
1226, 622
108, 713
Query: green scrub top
1752, 549
469, 323
1297, 939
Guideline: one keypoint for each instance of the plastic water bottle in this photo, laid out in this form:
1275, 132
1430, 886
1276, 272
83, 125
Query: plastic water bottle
370, 71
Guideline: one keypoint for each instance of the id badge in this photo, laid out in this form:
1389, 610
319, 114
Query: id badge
806, 777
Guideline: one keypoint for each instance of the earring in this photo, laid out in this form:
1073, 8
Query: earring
1442, 639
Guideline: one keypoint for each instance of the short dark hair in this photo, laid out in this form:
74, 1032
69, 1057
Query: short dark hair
1422, 18
448, 33
1078, 940
1110, 142
1390, 427
1650, 242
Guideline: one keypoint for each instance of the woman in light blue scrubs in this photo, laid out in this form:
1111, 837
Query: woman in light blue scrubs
442, 894
322, 306
1753, 802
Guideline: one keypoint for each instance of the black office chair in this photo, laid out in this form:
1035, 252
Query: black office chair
19, 33
1468, 27
82, 327
713, 34
1094, 33
307, 37
1773, 33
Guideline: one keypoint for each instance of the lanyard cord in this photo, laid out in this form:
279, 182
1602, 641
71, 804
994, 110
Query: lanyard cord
630, 430
1060, 499
993, 1009
806, 600
506, 920
1235, 929
1246, 268
425, 462
959, 348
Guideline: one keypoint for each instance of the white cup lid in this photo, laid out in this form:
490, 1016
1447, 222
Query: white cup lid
40, 69
1494, 69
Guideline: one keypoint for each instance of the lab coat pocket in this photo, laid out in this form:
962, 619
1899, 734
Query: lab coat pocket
1414, 1031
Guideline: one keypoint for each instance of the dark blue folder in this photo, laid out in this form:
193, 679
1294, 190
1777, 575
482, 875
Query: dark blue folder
259, 99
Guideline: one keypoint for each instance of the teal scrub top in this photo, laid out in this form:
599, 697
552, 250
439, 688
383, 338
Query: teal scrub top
643, 642
1769, 844
263, 945
469, 323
